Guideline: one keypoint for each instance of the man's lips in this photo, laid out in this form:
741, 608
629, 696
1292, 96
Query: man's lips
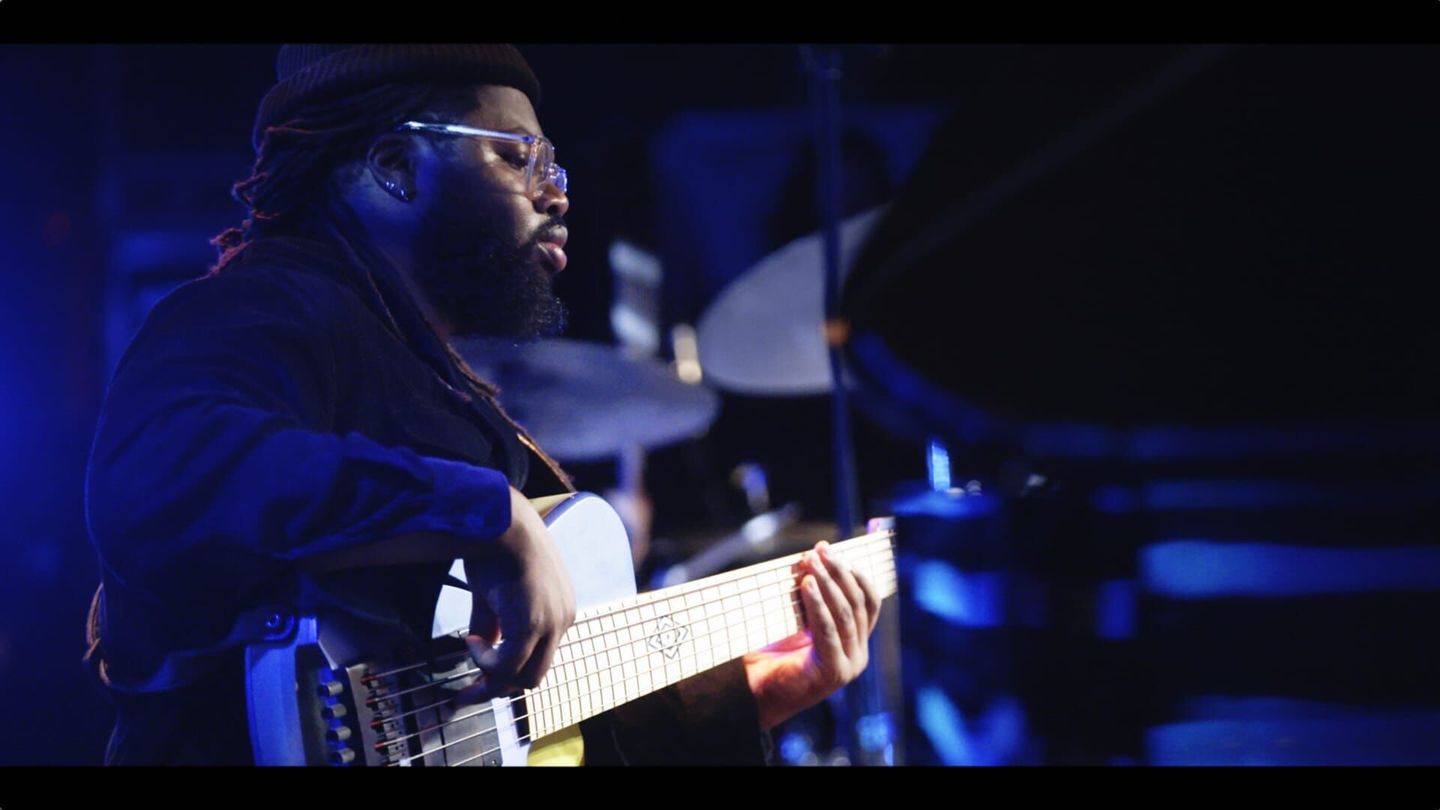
555, 254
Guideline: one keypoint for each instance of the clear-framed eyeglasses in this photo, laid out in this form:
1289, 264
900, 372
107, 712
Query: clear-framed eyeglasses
540, 165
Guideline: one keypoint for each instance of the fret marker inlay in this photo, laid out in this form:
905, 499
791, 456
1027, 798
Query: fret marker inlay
668, 636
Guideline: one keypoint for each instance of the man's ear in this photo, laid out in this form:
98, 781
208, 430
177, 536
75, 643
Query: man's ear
391, 165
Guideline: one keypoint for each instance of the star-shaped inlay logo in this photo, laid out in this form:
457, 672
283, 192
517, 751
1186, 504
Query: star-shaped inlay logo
667, 636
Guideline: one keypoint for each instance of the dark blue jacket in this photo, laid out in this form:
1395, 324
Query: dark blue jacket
293, 404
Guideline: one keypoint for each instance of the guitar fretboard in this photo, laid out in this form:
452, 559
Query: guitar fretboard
626, 650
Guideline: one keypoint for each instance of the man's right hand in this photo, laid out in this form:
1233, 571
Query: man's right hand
521, 594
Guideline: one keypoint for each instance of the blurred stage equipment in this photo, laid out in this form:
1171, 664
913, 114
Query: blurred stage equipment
1243, 235
866, 724
769, 333
586, 401
758, 538
764, 334
1182, 329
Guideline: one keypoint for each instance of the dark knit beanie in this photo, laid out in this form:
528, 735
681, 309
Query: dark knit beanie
310, 73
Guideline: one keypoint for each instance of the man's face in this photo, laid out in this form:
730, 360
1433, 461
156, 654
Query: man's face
478, 250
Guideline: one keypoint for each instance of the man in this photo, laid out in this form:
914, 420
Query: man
294, 429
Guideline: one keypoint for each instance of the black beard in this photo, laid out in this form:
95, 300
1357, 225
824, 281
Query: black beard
480, 281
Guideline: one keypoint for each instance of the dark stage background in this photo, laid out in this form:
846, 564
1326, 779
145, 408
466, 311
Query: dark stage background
118, 163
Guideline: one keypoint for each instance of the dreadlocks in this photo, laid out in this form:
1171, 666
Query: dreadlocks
291, 176
290, 184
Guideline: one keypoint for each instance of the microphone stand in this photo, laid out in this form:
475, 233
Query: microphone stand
864, 727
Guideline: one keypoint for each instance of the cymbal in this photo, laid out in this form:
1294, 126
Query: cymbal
589, 401
763, 537
787, 539
764, 332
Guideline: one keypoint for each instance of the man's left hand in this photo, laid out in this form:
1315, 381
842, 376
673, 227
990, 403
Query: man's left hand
795, 673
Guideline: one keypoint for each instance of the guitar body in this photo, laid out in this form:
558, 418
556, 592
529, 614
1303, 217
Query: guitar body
321, 693
291, 727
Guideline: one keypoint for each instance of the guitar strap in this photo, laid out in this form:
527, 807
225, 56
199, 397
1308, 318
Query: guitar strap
263, 623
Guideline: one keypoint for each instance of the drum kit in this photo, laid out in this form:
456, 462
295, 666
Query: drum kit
1116, 380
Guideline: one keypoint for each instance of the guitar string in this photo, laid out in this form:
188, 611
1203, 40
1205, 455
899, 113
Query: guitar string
865, 546
553, 696
515, 720
459, 718
868, 554
575, 683
577, 656
576, 698
552, 693
542, 693
562, 721
520, 738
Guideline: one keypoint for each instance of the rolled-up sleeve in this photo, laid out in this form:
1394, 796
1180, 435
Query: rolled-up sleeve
214, 464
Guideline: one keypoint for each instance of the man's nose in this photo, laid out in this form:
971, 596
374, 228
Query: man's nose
552, 200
